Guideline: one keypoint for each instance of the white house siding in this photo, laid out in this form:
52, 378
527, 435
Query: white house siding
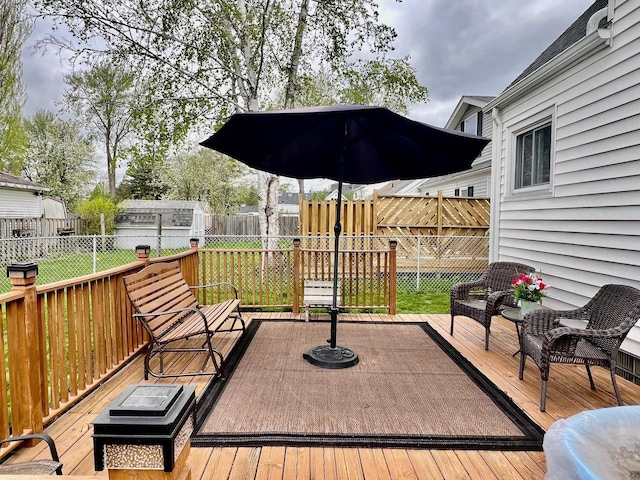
487, 132
479, 178
16, 203
480, 181
586, 233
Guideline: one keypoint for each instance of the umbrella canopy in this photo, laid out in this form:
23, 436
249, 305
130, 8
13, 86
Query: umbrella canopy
350, 143
345, 143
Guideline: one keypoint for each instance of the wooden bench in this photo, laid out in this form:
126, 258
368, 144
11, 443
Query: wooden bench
169, 311
318, 293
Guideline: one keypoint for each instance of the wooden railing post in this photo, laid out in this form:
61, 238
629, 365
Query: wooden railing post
296, 276
194, 272
142, 252
24, 337
393, 245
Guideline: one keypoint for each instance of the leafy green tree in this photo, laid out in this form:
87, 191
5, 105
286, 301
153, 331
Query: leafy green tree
59, 156
248, 194
207, 176
387, 82
14, 31
99, 203
210, 59
145, 179
103, 97
319, 195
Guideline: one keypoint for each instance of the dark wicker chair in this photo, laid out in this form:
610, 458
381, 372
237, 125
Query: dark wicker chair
610, 314
482, 299
34, 467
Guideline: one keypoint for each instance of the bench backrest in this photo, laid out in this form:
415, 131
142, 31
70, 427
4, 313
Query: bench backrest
160, 287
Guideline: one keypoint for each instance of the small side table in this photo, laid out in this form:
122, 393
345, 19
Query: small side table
514, 315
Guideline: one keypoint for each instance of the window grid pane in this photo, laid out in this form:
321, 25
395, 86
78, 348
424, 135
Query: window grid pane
533, 157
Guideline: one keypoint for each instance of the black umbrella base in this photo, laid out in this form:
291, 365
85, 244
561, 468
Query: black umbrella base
326, 357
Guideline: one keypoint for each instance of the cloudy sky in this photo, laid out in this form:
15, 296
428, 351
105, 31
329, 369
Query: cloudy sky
458, 47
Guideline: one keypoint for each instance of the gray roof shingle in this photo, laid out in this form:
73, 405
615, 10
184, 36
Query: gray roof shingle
571, 35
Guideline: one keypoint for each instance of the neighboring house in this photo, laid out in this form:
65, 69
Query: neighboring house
251, 210
475, 182
365, 192
566, 160
346, 187
54, 208
288, 204
138, 223
20, 198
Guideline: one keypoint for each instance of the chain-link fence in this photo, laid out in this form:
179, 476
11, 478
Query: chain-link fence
423, 263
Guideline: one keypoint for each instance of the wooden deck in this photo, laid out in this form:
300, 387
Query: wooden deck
568, 394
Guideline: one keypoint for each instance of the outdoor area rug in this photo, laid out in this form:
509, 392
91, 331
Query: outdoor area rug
409, 390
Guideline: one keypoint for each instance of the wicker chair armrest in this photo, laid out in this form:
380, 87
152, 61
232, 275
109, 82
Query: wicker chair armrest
495, 299
219, 284
559, 332
34, 436
460, 291
539, 322
563, 340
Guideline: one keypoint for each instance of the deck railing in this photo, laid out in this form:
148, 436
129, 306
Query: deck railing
275, 278
59, 341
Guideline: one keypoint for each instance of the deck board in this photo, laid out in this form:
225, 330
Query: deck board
569, 393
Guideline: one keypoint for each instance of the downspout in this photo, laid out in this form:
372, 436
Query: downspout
596, 18
496, 200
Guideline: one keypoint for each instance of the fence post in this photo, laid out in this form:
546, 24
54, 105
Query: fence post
24, 337
159, 235
393, 244
296, 276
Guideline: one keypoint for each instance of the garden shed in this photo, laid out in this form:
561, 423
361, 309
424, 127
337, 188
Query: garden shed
141, 222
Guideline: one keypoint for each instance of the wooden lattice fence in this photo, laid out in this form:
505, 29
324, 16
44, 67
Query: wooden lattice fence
393, 215
434, 234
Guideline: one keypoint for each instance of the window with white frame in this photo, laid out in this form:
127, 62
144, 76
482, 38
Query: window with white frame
472, 124
533, 157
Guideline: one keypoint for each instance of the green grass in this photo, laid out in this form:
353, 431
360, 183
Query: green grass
423, 302
435, 299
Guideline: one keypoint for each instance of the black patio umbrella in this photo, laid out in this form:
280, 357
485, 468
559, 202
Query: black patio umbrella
345, 143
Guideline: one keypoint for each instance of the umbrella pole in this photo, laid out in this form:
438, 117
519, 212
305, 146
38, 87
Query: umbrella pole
337, 228
332, 355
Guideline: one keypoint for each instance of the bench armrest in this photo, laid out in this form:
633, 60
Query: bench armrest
219, 284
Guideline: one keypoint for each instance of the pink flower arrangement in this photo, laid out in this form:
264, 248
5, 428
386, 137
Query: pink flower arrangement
529, 287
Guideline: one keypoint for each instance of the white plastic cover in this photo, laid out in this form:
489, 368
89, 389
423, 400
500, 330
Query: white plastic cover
596, 444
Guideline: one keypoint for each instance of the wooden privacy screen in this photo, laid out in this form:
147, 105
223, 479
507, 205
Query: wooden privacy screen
386, 215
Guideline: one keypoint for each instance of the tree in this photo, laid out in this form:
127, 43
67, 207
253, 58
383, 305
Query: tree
207, 176
98, 206
144, 180
59, 156
387, 82
209, 59
103, 98
14, 31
